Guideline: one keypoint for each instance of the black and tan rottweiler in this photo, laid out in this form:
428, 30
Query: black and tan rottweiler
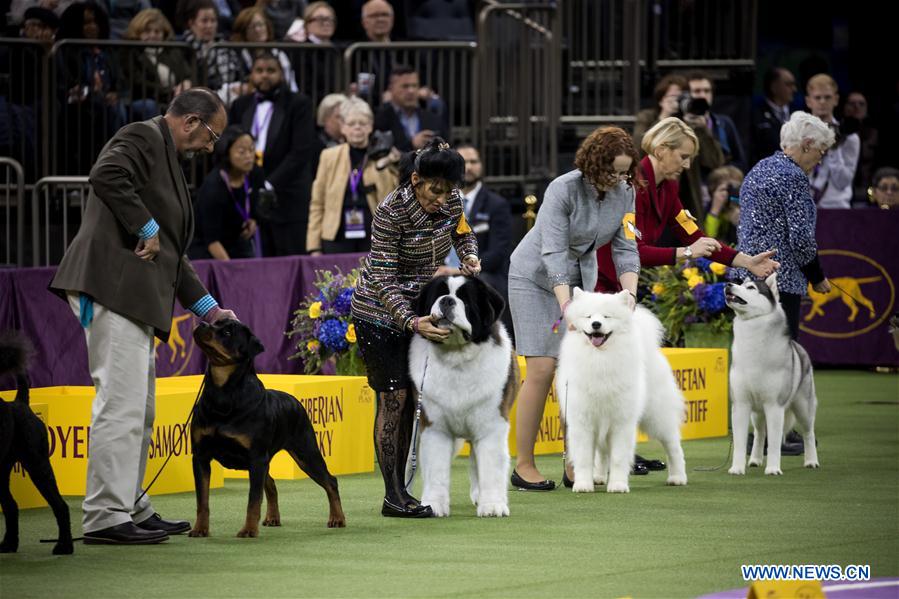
242, 425
23, 439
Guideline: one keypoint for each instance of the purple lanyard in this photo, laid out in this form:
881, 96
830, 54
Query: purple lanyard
243, 211
356, 178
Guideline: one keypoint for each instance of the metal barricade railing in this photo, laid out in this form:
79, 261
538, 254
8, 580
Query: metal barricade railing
519, 81
445, 67
12, 196
86, 110
23, 104
52, 202
315, 68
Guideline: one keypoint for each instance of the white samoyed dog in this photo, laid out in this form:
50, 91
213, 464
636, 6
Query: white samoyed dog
612, 377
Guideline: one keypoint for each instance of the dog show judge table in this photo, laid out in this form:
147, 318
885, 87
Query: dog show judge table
342, 412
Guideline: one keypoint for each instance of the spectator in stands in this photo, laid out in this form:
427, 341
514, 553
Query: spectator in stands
832, 179
377, 20
120, 13
855, 116
349, 185
723, 215
227, 201
282, 14
282, 123
411, 126
320, 22
490, 218
227, 11
777, 210
40, 24
721, 126
693, 192
327, 126
90, 78
221, 67
884, 191
666, 94
768, 117
159, 74
252, 25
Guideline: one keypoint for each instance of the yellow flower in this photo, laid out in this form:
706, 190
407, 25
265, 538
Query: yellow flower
689, 273
315, 310
694, 281
312, 345
351, 333
658, 288
717, 268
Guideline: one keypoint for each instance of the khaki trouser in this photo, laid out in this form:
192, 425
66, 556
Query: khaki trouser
122, 362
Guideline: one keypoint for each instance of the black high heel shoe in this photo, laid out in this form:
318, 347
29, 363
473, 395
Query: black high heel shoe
392, 510
565, 480
523, 485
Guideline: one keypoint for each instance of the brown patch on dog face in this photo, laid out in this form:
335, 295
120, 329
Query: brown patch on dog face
215, 351
220, 374
198, 432
510, 391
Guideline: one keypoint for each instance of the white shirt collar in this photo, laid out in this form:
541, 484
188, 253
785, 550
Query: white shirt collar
471, 195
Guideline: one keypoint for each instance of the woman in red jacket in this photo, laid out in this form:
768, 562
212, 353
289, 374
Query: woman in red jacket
670, 146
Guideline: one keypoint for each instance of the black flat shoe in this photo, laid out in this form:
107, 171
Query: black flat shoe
651, 465
171, 527
392, 510
786, 448
523, 485
639, 469
126, 533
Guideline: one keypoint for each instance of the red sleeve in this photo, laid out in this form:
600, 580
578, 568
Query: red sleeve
725, 255
651, 255
686, 229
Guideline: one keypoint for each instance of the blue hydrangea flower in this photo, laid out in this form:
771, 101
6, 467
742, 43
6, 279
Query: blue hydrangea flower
703, 264
333, 335
343, 302
710, 298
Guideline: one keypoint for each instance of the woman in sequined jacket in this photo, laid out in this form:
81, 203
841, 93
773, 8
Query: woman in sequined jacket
777, 211
412, 232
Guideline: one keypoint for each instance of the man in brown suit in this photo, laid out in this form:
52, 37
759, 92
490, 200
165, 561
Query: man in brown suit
121, 275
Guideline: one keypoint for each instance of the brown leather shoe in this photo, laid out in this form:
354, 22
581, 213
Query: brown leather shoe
126, 533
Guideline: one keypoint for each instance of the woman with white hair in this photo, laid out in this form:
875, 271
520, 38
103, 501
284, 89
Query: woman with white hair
777, 210
348, 185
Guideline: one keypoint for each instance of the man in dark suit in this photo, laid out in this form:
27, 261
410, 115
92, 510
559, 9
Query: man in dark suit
283, 124
490, 219
769, 116
412, 127
121, 275
720, 126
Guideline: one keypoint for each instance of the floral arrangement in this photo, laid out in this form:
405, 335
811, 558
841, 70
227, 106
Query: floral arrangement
687, 294
324, 325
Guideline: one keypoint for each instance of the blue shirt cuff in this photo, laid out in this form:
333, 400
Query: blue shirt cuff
149, 230
203, 305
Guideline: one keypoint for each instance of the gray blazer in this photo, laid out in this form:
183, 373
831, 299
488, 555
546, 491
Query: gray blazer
571, 225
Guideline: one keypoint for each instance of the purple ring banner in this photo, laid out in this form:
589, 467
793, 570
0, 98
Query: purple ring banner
859, 250
262, 292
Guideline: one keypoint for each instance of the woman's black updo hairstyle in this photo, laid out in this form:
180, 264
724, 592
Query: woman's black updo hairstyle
437, 160
223, 148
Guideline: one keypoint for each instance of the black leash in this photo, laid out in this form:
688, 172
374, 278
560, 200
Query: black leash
165, 463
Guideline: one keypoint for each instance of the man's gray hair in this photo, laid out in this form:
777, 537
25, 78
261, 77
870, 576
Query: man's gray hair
201, 101
803, 126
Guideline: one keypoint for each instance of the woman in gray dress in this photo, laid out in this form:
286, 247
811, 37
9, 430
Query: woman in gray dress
581, 211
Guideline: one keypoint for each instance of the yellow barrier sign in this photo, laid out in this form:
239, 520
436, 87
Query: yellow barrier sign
342, 412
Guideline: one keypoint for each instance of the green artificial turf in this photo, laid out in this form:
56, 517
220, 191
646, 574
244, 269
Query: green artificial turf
657, 541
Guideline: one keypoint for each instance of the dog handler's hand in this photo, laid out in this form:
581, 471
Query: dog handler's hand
470, 266
822, 287
428, 330
762, 264
147, 249
705, 247
216, 314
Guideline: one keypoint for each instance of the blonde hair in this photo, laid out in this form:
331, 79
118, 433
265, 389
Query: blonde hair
669, 133
355, 106
242, 24
145, 18
314, 6
329, 104
822, 80
722, 174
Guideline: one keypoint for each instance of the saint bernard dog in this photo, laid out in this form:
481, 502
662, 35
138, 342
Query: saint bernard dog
467, 386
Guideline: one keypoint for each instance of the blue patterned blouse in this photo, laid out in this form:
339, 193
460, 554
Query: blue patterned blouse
777, 212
